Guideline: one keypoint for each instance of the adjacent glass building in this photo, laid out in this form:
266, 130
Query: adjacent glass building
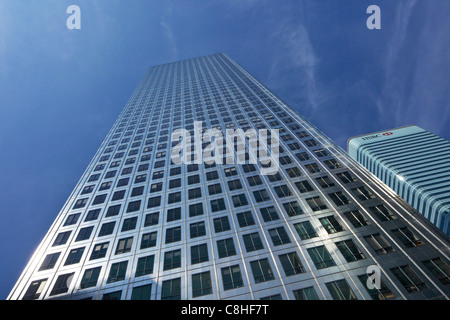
415, 163
137, 226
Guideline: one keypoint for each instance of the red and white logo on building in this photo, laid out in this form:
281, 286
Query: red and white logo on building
387, 133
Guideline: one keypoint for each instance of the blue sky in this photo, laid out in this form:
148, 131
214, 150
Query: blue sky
61, 90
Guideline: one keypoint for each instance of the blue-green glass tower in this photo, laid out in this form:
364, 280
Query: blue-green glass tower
415, 163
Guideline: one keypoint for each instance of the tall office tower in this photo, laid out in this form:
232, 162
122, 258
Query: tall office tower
139, 227
415, 163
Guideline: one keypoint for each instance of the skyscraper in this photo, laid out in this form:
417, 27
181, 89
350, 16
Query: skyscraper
414, 163
138, 226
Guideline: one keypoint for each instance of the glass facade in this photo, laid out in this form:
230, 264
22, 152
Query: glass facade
138, 226
415, 164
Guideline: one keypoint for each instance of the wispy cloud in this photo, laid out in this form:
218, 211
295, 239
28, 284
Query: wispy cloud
165, 23
416, 68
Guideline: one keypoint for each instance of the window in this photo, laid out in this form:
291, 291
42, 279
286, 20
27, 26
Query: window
123, 182
61, 238
409, 239
269, 214
291, 264
118, 195
305, 230
439, 269
303, 156
313, 168
107, 229
325, 182
234, 185
293, 209
174, 197
382, 213
49, 261
381, 293
92, 215
158, 175
339, 198
340, 290
173, 214
356, 218
214, 189
151, 219
350, 251
145, 266
193, 179
304, 186
138, 191
321, 257
175, 171
239, 200
294, 172
88, 189
171, 289
217, 205
194, 193
156, 187
346, 177
283, 191
332, 164
175, 183
129, 224
195, 210
252, 242
316, 204
99, 251
279, 236
148, 240
90, 278
409, 279
141, 292
154, 202
231, 277
34, 290
113, 211
124, 245
248, 168
84, 233
117, 272
261, 270
61, 284
212, 175
331, 225
379, 244
230, 172
245, 219
80, 203
74, 256
275, 177
72, 219
173, 234
363, 194
225, 248
305, 294
116, 295
94, 177
201, 284
254, 181
199, 254
172, 259
197, 229
261, 195
221, 224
